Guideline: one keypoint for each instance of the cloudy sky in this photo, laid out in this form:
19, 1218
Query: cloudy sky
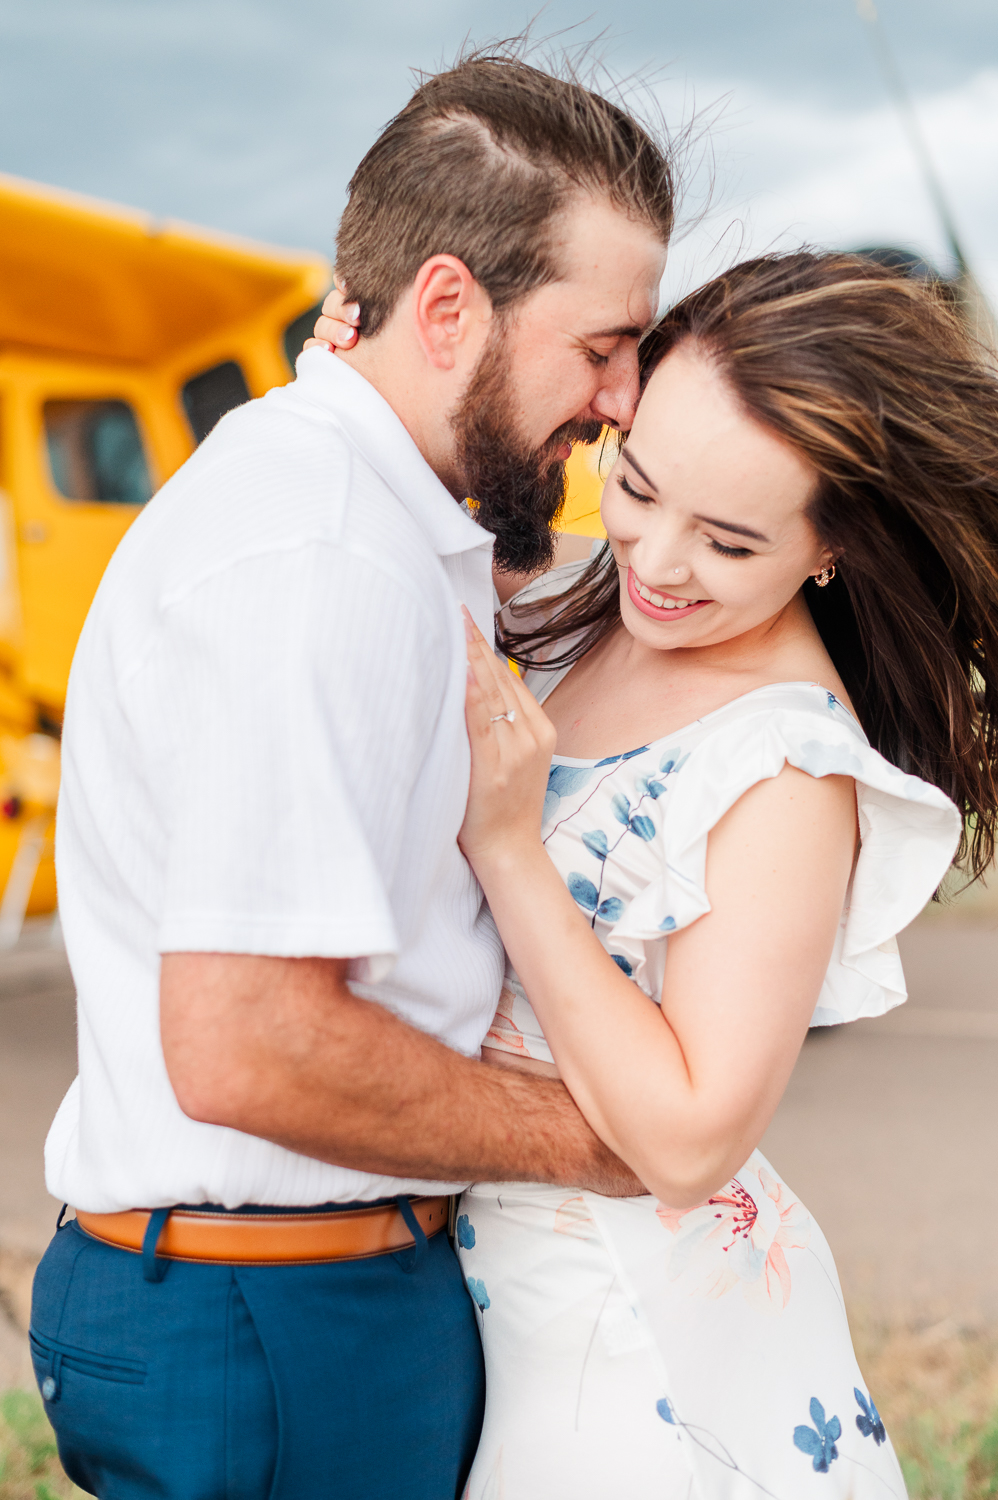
248, 115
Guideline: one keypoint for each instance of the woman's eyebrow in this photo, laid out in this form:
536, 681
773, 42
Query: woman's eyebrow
626, 453
756, 536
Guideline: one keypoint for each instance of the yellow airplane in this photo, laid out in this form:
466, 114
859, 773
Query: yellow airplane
123, 339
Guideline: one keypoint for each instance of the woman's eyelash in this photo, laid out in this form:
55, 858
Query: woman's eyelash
719, 547
635, 494
595, 358
729, 551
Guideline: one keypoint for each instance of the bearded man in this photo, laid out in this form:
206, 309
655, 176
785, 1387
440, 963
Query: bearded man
283, 963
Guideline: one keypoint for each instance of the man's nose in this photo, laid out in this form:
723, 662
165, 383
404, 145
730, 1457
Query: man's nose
617, 400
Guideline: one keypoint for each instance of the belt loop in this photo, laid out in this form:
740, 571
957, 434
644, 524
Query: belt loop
415, 1252
154, 1269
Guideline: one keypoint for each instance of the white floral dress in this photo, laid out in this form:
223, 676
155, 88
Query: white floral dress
632, 1350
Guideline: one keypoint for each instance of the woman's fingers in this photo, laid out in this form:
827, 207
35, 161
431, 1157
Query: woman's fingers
511, 744
336, 327
513, 693
335, 331
489, 672
478, 714
335, 305
494, 691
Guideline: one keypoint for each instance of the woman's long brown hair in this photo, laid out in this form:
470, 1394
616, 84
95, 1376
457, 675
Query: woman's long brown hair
877, 382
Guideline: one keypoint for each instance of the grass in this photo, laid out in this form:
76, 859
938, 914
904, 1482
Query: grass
936, 1388
29, 1466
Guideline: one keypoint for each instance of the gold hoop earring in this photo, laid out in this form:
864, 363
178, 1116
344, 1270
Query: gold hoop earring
824, 578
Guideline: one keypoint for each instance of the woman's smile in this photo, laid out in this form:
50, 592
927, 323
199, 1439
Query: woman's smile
658, 604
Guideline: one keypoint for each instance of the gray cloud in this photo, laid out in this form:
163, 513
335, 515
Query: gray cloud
249, 114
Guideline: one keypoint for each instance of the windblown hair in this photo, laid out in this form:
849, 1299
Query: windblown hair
478, 165
876, 382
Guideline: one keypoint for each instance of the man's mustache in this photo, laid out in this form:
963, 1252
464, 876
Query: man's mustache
586, 432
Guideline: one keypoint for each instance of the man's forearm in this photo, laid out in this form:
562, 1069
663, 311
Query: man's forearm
301, 1061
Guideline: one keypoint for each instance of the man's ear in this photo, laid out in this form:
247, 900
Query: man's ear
449, 308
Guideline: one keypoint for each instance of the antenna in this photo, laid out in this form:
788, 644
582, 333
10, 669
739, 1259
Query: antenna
975, 304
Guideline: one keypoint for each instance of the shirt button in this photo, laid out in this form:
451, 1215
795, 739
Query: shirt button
48, 1388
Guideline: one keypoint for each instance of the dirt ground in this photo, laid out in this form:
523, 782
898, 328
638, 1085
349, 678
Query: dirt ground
888, 1132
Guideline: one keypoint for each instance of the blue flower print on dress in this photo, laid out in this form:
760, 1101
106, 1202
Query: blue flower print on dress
710, 1443
636, 823
650, 786
597, 844
564, 781
819, 759
672, 761
582, 890
869, 1421
622, 963
667, 924
611, 760
621, 808
479, 1295
465, 1233
818, 1442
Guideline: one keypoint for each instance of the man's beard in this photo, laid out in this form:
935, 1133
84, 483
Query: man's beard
519, 491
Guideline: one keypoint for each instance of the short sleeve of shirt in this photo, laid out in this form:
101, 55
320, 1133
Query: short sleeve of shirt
299, 691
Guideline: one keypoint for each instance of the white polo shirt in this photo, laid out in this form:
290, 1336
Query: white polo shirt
265, 752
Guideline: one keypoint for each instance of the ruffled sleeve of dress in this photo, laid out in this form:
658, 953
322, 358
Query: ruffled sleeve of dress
909, 832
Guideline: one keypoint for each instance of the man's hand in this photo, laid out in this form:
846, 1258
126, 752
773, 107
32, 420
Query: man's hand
280, 1048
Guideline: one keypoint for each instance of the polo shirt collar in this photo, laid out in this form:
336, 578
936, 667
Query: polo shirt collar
370, 424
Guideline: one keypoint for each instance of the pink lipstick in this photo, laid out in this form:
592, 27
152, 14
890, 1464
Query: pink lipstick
680, 611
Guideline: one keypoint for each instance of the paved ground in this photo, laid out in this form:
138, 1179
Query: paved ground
888, 1132
37, 1064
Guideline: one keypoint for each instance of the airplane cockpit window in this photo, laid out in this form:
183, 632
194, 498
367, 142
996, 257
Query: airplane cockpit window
208, 396
297, 332
95, 452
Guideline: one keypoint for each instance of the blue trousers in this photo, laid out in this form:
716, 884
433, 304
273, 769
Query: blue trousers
356, 1380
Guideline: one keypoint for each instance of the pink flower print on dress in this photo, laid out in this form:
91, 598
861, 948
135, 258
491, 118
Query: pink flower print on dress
738, 1238
573, 1217
504, 1034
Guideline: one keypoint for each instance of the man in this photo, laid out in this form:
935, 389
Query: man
283, 965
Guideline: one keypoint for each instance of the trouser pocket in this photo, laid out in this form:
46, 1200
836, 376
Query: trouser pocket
51, 1357
93, 1400
154, 1388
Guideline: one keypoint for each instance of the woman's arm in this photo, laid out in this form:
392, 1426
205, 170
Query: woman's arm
682, 1094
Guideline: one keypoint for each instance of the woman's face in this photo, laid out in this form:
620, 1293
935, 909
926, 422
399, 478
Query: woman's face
706, 507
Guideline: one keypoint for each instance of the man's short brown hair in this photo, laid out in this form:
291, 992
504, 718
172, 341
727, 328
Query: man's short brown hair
477, 165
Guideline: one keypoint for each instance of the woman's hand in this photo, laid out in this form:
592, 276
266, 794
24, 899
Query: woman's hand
337, 326
512, 741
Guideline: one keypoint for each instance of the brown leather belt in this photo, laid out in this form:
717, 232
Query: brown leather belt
270, 1238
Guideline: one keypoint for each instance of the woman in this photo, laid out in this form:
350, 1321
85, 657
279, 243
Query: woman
771, 707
